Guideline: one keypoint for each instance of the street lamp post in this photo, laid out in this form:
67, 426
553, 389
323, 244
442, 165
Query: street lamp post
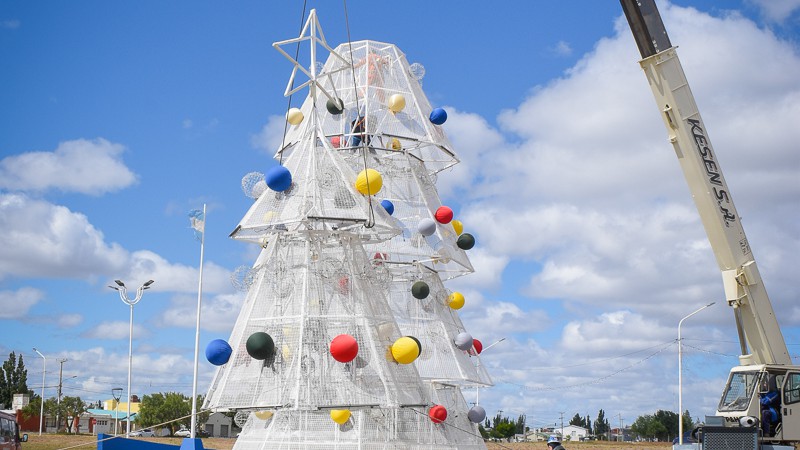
680, 374
44, 373
117, 394
123, 294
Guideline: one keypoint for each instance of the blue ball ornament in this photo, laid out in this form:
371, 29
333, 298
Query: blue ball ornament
218, 352
438, 116
278, 178
388, 206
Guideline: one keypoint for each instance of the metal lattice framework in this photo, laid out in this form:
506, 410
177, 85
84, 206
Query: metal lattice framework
334, 261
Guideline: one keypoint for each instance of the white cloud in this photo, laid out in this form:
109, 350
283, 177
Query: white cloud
777, 10
271, 135
69, 320
88, 167
16, 304
218, 313
143, 265
562, 48
45, 240
116, 330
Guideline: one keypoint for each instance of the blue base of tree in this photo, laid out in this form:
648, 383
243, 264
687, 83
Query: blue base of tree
192, 444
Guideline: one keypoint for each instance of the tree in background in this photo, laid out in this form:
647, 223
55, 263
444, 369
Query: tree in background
504, 430
13, 380
601, 426
70, 408
170, 410
669, 420
588, 424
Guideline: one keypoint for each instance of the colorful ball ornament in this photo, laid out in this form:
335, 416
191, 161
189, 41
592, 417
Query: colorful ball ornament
396, 103
369, 182
336, 141
344, 348
463, 341
264, 415
476, 414
340, 416
437, 413
438, 116
260, 346
458, 226
405, 350
420, 290
477, 345
443, 214
278, 178
388, 206
294, 116
426, 226
334, 106
395, 144
465, 242
456, 300
218, 352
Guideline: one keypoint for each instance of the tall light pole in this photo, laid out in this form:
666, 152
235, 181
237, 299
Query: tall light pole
117, 394
680, 374
123, 294
44, 373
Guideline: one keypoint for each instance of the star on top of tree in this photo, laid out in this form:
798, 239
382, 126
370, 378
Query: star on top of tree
312, 32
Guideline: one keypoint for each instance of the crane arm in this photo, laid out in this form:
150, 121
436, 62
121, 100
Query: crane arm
744, 290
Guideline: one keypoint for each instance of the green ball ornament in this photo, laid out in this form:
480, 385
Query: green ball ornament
420, 290
260, 346
334, 106
466, 241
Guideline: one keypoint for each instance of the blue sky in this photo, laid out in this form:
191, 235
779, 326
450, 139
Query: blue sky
117, 118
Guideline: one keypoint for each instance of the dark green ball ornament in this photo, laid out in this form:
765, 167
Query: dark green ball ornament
466, 241
335, 106
420, 290
260, 346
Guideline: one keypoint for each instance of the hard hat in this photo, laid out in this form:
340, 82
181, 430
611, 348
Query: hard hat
554, 439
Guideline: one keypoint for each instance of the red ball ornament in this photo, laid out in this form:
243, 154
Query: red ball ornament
437, 413
344, 348
336, 141
443, 214
477, 345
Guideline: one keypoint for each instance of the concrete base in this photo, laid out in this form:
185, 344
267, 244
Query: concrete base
192, 444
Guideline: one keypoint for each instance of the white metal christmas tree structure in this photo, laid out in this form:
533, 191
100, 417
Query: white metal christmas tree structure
335, 347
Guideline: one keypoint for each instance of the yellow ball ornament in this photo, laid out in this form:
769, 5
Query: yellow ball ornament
456, 300
369, 182
294, 116
340, 416
396, 103
395, 144
405, 350
263, 415
458, 226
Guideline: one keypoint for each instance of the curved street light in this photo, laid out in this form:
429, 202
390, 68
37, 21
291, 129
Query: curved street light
123, 295
117, 394
680, 374
44, 373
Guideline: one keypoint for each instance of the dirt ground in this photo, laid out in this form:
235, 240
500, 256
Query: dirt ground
60, 442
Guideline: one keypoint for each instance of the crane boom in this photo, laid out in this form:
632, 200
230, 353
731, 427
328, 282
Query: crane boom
744, 290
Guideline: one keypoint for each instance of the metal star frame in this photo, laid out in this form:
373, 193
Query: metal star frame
312, 32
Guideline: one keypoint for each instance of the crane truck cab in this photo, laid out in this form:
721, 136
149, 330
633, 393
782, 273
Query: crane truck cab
757, 409
766, 396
